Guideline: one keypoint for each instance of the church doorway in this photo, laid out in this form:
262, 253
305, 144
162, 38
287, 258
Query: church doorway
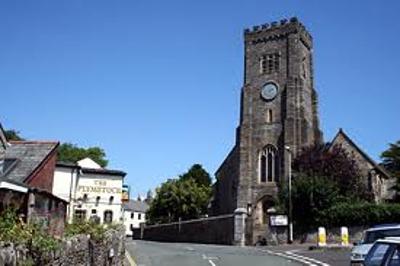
263, 208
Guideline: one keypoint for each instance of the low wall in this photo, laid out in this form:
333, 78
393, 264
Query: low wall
79, 250
333, 235
210, 230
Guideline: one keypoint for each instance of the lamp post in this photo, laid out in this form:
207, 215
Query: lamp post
290, 195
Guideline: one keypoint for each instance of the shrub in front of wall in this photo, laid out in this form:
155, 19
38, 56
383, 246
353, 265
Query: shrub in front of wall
359, 214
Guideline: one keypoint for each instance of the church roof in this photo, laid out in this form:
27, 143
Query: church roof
360, 151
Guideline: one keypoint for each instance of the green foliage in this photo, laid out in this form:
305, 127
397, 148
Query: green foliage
359, 213
12, 135
37, 241
391, 161
68, 152
96, 231
179, 198
310, 195
198, 174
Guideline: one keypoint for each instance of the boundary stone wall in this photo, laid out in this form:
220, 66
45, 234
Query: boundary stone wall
210, 230
79, 250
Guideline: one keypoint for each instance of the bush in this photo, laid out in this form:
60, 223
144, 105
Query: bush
32, 236
357, 214
96, 231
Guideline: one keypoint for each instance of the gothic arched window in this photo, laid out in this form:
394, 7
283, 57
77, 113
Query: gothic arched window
269, 165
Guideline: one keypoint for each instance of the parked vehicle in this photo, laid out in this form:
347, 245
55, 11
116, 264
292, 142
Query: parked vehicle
385, 252
361, 248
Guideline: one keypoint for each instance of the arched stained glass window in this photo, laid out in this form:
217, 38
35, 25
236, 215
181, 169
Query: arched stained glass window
269, 165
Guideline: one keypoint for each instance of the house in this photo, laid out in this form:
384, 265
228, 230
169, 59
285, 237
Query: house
93, 192
26, 177
134, 214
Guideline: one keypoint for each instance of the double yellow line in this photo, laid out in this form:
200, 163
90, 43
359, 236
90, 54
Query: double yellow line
130, 259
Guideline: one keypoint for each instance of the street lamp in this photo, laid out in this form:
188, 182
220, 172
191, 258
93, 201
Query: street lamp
290, 195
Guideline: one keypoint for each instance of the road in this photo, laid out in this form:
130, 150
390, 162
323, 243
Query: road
147, 253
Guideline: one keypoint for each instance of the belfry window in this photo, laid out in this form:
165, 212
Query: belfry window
269, 63
269, 116
269, 165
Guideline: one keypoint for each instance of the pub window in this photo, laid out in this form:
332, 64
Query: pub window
97, 200
94, 211
80, 215
269, 165
108, 217
111, 199
132, 215
85, 197
139, 216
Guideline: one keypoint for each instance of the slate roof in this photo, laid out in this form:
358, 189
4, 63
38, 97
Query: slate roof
85, 170
135, 205
365, 155
25, 157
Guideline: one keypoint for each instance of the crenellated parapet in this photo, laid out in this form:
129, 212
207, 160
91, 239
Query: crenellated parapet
277, 30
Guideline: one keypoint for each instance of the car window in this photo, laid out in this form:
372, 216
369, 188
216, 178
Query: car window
377, 254
371, 237
394, 259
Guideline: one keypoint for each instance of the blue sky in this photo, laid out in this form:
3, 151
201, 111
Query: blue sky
157, 83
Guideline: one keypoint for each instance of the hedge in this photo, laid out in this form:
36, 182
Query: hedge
359, 214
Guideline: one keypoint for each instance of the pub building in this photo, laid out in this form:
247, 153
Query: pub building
94, 193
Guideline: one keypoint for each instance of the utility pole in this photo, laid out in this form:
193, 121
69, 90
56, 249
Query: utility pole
290, 217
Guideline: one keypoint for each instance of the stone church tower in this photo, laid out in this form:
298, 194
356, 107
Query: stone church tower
278, 110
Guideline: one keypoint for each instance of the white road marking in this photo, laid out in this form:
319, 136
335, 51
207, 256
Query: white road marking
212, 263
292, 253
299, 258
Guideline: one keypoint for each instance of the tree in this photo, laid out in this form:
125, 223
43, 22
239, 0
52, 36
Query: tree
198, 174
12, 135
68, 152
310, 196
335, 165
179, 198
391, 161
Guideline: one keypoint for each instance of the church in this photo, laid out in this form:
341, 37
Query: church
278, 118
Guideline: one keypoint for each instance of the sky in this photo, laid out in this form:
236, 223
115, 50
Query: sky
156, 84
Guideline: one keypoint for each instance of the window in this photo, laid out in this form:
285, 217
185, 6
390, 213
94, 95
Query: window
132, 215
139, 216
108, 217
269, 116
97, 200
376, 254
85, 197
111, 199
94, 211
79, 215
269, 165
269, 63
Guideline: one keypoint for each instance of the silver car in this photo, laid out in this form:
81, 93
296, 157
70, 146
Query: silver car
361, 249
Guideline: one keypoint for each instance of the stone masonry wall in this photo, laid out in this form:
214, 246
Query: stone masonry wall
78, 251
212, 230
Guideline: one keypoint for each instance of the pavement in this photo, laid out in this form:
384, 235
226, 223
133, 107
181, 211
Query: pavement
147, 253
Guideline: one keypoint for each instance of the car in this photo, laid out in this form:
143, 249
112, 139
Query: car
372, 234
384, 252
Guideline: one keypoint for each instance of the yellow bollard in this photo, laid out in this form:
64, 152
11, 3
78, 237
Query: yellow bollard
344, 232
321, 236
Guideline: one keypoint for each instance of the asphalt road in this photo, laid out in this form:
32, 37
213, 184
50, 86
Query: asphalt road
146, 253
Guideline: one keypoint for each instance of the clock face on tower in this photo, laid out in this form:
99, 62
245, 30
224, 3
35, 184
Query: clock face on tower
269, 91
